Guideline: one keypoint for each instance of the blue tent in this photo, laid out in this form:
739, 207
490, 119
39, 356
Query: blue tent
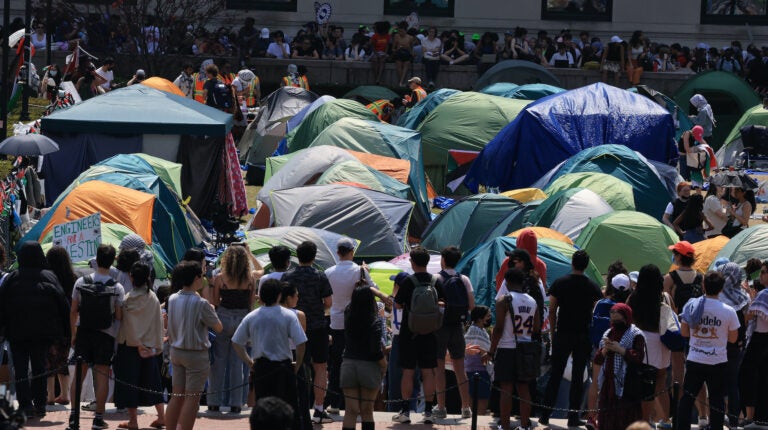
650, 191
414, 116
557, 127
501, 89
522, 92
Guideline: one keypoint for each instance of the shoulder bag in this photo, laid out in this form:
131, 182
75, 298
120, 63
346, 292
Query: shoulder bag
640, 380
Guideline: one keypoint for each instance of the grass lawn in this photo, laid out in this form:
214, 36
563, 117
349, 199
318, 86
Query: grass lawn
36, 109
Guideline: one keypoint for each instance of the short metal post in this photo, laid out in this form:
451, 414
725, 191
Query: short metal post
75, 414
476, 380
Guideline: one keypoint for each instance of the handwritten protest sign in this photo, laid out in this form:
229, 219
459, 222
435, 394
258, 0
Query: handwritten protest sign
80, 237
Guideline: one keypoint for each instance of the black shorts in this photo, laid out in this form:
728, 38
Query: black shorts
450, 338
94, 347
317, 346
403, 54
504, 365
419, 351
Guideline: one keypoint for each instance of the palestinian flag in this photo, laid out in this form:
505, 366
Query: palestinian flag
459, 162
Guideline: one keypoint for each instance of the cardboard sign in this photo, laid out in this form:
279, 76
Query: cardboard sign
80, 237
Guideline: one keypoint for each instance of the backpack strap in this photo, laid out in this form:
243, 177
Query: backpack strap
676, 278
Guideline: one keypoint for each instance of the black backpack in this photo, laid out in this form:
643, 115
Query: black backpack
456, 298
95, 308
222, 95
685, 292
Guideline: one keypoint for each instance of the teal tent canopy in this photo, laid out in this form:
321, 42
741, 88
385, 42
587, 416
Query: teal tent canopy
139, 109
415, 115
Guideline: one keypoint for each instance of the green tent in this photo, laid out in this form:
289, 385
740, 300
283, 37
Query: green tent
466, 222
465, 121
260, 241
567, 250
500, 89
514, 221
113, 234
412, 117
370, 93
729, 152
749, 243
168, 171
273, 164
635, 238
322, 117
569, 211
616, 192
523, 92
356, 172
728, 94
482, 263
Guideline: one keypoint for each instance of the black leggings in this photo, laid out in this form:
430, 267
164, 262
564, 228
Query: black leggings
430, 68
753, 377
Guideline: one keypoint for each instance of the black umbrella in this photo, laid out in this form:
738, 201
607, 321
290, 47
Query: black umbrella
734, 179
28, 144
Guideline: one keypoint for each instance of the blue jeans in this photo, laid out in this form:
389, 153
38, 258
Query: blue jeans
226, 362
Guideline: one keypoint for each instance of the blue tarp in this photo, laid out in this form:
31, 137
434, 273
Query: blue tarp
552, 129
414, 116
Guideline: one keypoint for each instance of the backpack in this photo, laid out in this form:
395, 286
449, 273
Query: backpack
456, 298
685, 292
601, 320
96, 310
222, 95
424, 316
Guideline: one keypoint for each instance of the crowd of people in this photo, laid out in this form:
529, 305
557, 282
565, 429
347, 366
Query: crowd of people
319, 341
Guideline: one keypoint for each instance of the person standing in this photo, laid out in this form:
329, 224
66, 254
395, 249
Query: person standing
106, 73
571, 300
315, 297
459, 302
33, 316
268, 331
186, 81
417, 93
189, 319
418, 350
61, 265
753, 375
714, 210
344, 278
280, 259
704, 116
478, 342
711, 325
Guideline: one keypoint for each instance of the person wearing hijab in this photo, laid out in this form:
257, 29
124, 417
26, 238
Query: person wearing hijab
711, 325
33, 315
622, 345
734, 296
705, 117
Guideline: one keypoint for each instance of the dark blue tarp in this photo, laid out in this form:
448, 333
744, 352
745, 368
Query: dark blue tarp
556, 127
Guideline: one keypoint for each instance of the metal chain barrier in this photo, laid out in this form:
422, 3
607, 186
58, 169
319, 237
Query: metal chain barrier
711, 408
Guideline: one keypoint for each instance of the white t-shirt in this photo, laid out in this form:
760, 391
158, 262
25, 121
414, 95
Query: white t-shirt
709, 339
525, 311
108, 76
561, 57
545, 312
271, 275
669, 209
715, 213
274, 49
267, 330
429, 46
343, 278
117, 299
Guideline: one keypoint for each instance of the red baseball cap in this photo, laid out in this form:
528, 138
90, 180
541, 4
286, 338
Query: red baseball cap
683, 248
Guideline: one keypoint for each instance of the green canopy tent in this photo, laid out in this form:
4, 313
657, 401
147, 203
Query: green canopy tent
733, 146
322, 117
466, 222
749, 243
635, 238
728, 94
415, 115
370, 93
569, 211
616, 192
465, 121
482, 263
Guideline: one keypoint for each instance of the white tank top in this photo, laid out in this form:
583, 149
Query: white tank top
525, 309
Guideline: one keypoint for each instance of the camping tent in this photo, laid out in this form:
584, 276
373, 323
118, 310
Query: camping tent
514, 221
616, 192
518, 72
680, 115
749, 243
706, 253
299, 117
557, 127
376, 137
525, 195
264, 133
501, 89
355, 172
168, 171
139, 119
569, 211
162, 84
651, 193
465, 121
292, 236
378, 220
728, 154
467, 221
482, 263
635, 238
523, 92
544, 233
370, 93
728, 94
415, 115
322, 117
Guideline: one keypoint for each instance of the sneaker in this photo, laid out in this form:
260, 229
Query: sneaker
466, 412
99, 424
439, 413
321, 417
402, 417
333, 411
90, 407
212, 408
576, 423
544, 420
427, 417
703, 422
664, 425
755, 426
235, 410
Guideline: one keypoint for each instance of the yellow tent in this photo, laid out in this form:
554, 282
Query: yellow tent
544, 232
162, 84
706, 252
524, 195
